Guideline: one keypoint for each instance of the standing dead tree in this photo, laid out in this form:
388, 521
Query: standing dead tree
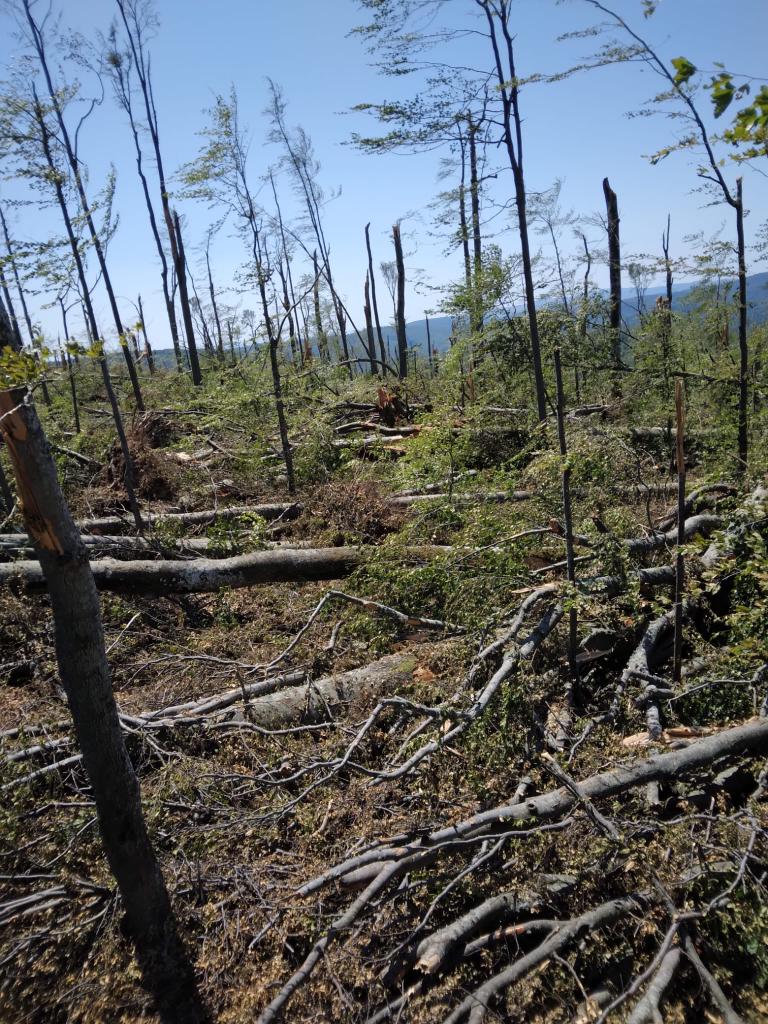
374, 303
402, 341
63, 139
85, 675
304, 170
136, 17
678, 79
614, 271
220, 176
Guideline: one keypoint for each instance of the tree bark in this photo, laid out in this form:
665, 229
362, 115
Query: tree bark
74, 165
148, 354
477, 248
402, 341
743, 343
567, 515
614, 270
90, 316
205, 575
85, 675
371, 344
513, 140
181, 278
374, 303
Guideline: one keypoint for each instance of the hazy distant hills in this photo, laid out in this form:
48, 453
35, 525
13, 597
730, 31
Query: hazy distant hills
440, 326
757, 296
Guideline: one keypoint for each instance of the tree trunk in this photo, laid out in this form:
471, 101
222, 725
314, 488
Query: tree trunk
429, 348
85, 676
477, 252
513, 141
567, 515
374, 303
371, 344
206, 575
216, 320
614, 270
743, 343
322, 339
148, 354
402, 341
181, 278
66, 359
90, 316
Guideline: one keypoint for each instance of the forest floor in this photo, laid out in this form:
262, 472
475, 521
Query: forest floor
483, 872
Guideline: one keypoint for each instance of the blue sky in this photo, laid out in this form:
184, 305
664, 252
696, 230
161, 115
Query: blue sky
577, 130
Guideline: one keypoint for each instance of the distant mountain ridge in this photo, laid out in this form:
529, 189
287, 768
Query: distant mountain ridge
440, 327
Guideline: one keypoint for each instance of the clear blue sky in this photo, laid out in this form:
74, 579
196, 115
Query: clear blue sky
577, 129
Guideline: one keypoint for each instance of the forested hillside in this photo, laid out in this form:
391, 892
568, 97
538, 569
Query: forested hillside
356, 664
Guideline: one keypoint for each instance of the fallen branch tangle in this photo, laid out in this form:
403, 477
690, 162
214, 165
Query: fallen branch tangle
386, 862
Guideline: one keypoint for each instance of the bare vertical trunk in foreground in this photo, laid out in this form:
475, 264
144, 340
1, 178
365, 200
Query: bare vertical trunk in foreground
85, 675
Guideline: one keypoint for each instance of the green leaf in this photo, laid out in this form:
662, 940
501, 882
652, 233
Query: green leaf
722, 91
684, 69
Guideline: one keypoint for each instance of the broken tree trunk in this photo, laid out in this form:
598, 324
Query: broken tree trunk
203, 575
85, 675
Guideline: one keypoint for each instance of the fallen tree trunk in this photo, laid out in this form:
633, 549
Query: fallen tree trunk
18, 545
281, 510
269, 705
201, 575
319, 701
114, 524
743, 740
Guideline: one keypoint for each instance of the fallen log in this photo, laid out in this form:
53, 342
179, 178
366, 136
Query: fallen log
280, 510
743, 740
202, 575
271, 511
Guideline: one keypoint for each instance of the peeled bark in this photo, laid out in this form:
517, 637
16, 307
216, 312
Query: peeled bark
85, 675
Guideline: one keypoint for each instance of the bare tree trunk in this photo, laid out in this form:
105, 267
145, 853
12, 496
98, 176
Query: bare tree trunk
513, 141
67, 361
477, 251
148, 354
429, 348
181, 278
90, 316
463, 223
23, 301
131, 17
567, 514
18, 342
212, 293
402, 341
273, 338
374, 303
679, 563
369, 323
322, 339
614, 270
74, 164
290, 294
666, 322
584, 321
743, 343
85, 675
